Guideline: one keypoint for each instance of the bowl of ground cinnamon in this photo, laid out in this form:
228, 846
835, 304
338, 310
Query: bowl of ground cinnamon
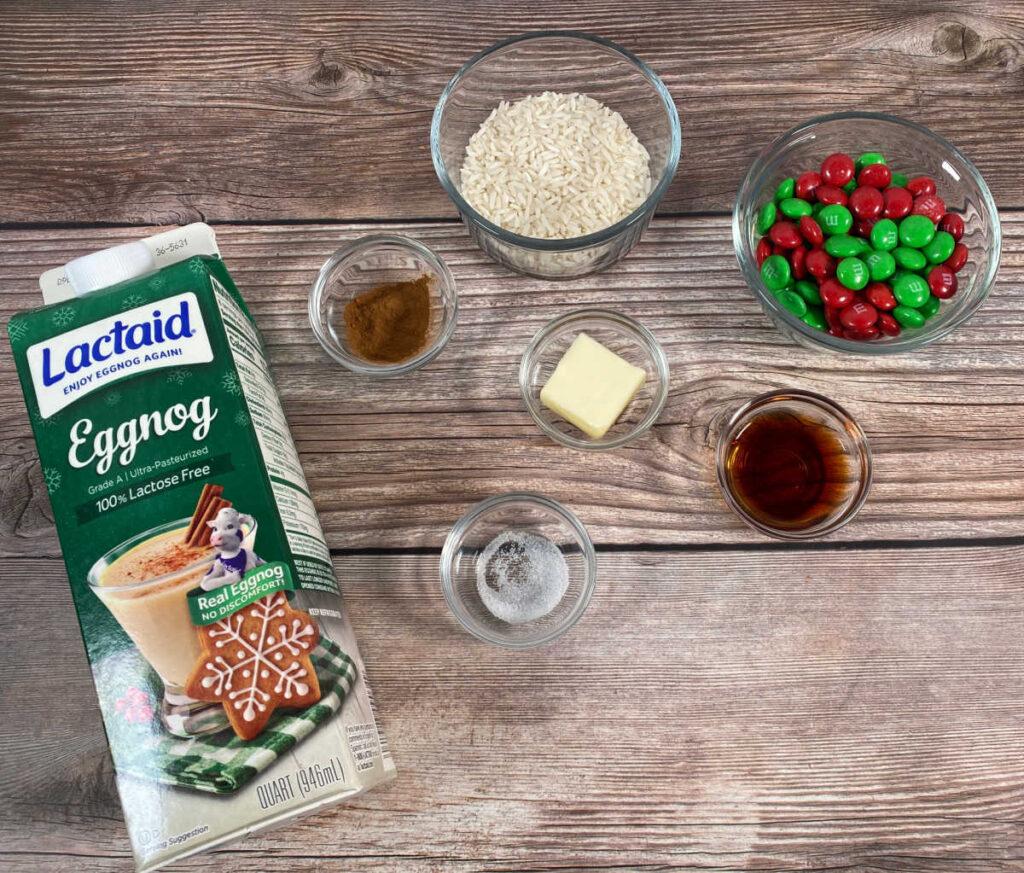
383, 305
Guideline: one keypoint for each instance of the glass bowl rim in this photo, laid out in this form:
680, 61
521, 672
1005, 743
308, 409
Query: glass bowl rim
458, 533
834, 411
578, 242
643, 337
358, 246
821, 338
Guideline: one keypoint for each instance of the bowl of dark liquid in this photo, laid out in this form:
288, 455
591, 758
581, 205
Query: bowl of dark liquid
793, 464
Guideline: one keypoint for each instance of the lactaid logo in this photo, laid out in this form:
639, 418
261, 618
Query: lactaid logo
166, 333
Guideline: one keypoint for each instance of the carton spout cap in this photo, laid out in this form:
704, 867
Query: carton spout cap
109, 267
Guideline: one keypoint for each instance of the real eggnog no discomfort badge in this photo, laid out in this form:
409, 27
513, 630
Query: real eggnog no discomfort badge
207, 607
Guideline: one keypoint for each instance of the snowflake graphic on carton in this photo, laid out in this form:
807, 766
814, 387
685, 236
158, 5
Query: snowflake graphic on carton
53, 479
229, 382
64, 316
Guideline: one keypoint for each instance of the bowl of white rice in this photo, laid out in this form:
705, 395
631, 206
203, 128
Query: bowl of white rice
555, 147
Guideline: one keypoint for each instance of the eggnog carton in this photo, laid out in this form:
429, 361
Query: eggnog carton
230, 684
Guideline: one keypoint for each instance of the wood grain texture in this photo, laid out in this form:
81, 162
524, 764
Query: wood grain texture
146, 112
393, 463
798, 710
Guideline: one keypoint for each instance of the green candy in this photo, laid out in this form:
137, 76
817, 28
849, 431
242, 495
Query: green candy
850, 186
766, 217
930, 306
881, 265
916, 231
908, 317
786, 189
940, 248
794, 207
867, 159
898, 181
809, 291
852, 273
844, 246
885, 235
911, 290
910, 259
815, 318
793, 302
835, 218
816, 209
776, 272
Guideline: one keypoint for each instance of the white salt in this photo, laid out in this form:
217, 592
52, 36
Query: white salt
521, 576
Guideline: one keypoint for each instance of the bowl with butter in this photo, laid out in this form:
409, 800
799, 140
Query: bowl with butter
594, 379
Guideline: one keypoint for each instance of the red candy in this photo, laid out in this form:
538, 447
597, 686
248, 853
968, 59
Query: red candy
942, 281
880, 295
956, 261
779, 250
953, 224
784, 233
875, 176
862, 227
837, 169
898, 202
834, 322
811, 231
820, 264
866, 202
858, 316
806, 185
931, 205
888, 325
763, 250
867, 333
798, 261
836, 296
829, 194
920, 185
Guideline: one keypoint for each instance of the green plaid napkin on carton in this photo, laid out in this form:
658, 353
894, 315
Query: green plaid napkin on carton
221, 763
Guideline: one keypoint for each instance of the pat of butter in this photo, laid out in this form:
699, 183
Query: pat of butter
591, 386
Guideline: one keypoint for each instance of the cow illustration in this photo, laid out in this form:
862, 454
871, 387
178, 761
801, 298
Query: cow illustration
231, 561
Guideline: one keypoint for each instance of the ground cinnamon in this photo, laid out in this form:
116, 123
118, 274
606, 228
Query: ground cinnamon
388, 324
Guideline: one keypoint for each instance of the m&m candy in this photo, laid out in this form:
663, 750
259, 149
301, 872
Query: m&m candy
859, 250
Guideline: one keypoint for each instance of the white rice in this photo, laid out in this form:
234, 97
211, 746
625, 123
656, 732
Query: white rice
555, 166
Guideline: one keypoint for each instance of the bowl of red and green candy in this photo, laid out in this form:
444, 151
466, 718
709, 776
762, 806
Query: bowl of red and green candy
866, 233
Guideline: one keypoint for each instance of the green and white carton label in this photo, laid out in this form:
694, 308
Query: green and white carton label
182, 509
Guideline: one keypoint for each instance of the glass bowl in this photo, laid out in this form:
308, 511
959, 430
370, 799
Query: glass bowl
910, 149
809, 407
363, 264
462, 573
567, 62
622, 335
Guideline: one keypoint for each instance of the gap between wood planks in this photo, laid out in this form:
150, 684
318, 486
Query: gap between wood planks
330, 221
770, 546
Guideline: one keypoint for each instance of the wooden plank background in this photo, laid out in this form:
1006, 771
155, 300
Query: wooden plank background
727, 703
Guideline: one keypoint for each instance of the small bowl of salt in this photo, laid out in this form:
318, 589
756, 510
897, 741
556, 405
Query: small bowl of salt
518, 570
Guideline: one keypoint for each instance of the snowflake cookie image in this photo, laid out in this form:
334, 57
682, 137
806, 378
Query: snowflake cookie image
177, 376
241, 418
52, 478
113, 398
64, 316
256, 660
229, 382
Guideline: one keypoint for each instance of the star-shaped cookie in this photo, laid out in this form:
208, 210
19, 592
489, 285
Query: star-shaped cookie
256, 660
